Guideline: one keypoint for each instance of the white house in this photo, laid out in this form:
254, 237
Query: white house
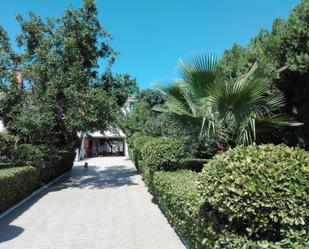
109, 143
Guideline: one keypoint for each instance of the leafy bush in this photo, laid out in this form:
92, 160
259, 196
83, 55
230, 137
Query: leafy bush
257, 193
194, 164
30, 155
284, 45
178, 197
136, 142
7, 146
163, 153
135, 136
49, 161
15, 184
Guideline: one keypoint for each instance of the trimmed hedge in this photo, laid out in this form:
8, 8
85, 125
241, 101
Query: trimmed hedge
49, 161
18, 182
163, 153
258, 195
249, 197
136, 144
177, 195
15, 184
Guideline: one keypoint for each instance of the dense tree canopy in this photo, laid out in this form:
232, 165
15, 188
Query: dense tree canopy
286, 47
120, 85
59, 63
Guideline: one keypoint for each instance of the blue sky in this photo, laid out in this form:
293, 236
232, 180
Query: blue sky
153, 35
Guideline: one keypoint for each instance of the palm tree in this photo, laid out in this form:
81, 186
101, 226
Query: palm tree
227, 110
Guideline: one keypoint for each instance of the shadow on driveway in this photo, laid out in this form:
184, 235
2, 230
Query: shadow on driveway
93, 177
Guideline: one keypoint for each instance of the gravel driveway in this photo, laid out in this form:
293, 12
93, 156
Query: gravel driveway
106, 206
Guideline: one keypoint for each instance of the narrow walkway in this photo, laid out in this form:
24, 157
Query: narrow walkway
106, 206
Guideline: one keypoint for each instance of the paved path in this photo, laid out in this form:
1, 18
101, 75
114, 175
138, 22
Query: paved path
105, 206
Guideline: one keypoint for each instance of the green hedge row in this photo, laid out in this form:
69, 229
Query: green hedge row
167, 153
15, 184
177, 195
50, 162
248, 197
34, 166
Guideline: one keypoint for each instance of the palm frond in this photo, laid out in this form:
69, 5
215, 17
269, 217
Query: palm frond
223, 109
198, 73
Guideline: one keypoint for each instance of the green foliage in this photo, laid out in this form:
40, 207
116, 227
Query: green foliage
7, 58
5, 165
15, 184
50, 162
64, 93
136, 120
229, 111
151, 98
163, 153
7, 146
249, 197
136, 143
30, 155
121, 86
259, 193
286, 47
142, 118
177, 195
194, 164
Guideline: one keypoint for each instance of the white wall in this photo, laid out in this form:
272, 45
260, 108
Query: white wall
1, 127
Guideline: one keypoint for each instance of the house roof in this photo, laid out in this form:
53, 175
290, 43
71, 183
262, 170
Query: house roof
116, 133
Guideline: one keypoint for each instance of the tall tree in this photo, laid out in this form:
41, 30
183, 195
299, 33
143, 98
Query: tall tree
59, 64
286, 47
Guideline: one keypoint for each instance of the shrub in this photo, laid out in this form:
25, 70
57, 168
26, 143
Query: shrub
15, 184
257, 195
57, 163
132, 139
7, 146
194, 164
178, 197
49, 161
163, 153
30, 155
137, 141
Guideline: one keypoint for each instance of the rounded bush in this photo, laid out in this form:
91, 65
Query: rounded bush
29, 155
163, 153
260, 192
136, 143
